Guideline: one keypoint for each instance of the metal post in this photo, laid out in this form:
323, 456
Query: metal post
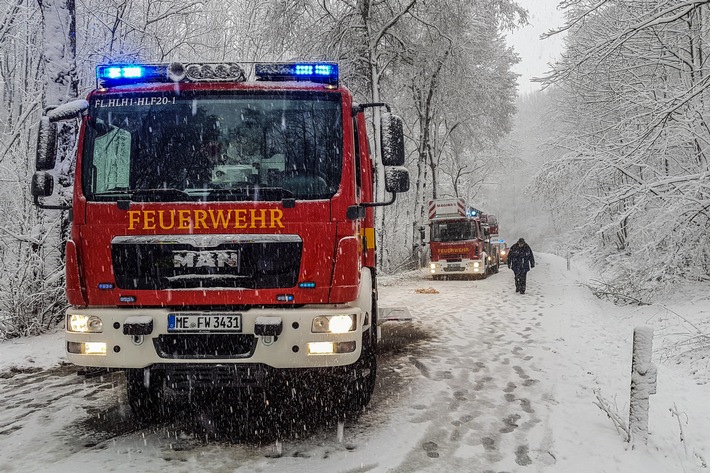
568, 260
643, 384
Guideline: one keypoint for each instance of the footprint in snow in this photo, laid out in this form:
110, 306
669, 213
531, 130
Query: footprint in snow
510, 423
431, 449
521, 455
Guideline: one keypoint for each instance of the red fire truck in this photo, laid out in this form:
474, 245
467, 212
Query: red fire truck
460, 240
223, 229
491, 239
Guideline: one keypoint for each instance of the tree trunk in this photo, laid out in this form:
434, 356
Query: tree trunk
59, 53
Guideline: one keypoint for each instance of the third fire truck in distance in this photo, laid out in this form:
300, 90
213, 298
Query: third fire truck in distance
460, 242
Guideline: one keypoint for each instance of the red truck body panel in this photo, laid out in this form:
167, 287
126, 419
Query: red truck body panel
320, 224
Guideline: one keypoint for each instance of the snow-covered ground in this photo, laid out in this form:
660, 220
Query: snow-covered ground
483, 380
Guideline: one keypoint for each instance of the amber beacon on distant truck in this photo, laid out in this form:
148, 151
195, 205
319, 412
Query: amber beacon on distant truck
223, 228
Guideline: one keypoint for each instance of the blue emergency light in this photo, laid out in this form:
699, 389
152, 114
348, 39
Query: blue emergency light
321, 72
125, 72
473, 212
121, 74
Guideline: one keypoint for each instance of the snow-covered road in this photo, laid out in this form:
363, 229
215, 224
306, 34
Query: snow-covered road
482, 380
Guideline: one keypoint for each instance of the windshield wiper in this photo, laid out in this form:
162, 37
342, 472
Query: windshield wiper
148, 195
250, 193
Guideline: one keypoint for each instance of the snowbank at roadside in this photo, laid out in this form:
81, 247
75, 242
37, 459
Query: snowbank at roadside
44, 351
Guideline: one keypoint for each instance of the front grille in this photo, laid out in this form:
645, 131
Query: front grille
181, 377
209, 261
205, 346
453, 260
454, 269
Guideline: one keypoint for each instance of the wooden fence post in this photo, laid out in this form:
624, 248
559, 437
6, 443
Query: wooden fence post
643, 384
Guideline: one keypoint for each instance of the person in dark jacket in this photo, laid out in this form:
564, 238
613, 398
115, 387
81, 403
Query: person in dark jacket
520, 260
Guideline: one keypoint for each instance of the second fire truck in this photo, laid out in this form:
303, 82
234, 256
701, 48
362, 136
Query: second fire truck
462, 240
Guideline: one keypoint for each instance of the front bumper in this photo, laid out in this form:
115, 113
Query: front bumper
289, 349
438, 268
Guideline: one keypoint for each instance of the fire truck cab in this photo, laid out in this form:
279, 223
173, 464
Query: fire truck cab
223, 229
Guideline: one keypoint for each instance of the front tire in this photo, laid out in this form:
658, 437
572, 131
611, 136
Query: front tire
147, 402
356, 395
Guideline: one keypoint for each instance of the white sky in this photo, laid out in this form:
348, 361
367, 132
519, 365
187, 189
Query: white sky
534, 53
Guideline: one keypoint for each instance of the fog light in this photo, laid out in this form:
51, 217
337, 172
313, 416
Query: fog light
331, 348
321, 348
94, 348
345, 347
87, 348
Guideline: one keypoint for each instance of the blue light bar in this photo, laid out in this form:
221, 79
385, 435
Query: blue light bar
322, 72
113, 72
324, 69
127, 299
132, 72
119, 74
307, 285
105, 285
284, 297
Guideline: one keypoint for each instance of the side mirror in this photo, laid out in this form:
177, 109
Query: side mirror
392, 138
396, 179
42, 184
46, 145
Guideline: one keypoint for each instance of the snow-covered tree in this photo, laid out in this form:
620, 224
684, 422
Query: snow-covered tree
634, 82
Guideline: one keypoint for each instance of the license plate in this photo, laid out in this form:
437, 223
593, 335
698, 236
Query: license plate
204, 323
453, 267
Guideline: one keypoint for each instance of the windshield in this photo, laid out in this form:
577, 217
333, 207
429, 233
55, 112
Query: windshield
452, 230
199, 146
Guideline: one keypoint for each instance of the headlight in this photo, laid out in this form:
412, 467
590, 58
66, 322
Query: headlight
334, 323
84, 323
476, 264
432, 265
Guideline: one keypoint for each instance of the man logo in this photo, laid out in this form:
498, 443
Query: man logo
206, 259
